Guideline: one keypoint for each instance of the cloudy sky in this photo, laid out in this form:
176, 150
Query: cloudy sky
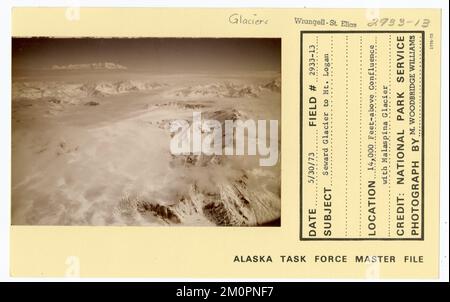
155, 55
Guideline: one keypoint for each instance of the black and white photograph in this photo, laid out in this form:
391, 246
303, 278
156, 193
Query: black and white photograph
146, 131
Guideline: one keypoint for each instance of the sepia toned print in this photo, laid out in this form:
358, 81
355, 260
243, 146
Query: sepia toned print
95, 122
